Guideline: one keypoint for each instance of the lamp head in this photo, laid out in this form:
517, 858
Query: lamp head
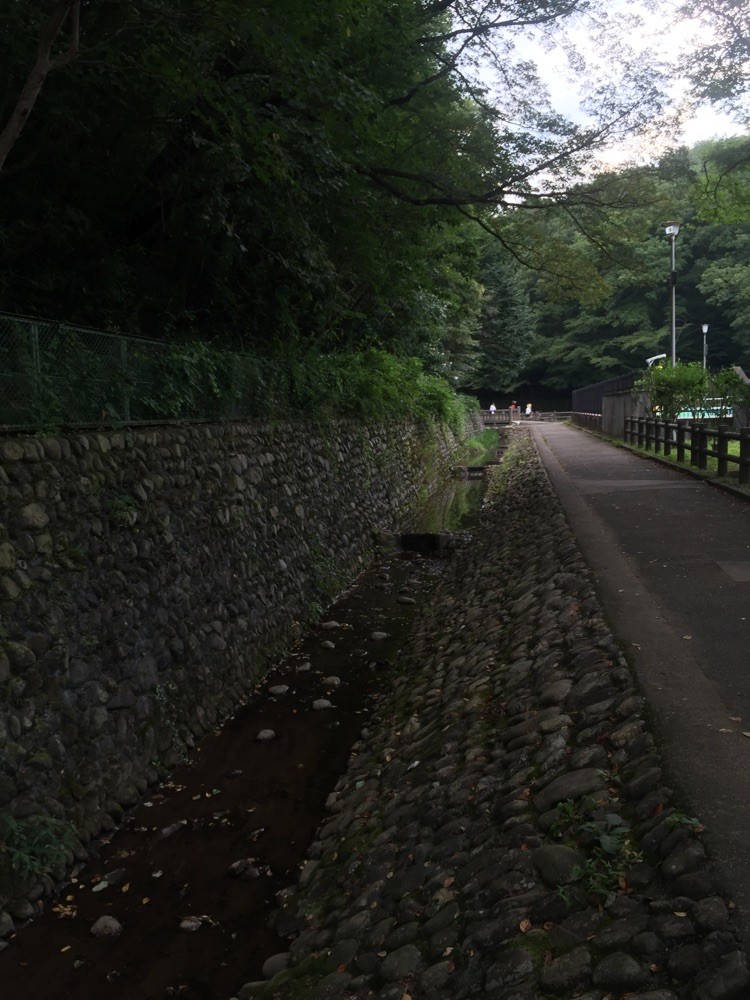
705, 328
672, 228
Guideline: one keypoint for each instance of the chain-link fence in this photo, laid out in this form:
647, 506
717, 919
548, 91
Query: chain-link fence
54, 375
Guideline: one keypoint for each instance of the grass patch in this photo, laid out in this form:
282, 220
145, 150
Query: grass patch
478, 449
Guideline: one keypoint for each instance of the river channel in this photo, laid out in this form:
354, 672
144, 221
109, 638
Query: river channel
192, 875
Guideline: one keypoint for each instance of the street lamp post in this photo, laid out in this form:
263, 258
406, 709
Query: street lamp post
705, 344
672, 230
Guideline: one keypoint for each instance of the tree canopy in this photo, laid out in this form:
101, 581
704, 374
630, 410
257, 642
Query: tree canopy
347, 176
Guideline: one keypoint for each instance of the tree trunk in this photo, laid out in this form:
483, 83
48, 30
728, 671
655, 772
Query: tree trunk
45, 62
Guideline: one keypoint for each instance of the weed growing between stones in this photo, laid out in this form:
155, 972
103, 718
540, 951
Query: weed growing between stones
123, 510
164, 693
35, 844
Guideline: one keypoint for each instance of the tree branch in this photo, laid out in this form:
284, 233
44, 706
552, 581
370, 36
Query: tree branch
65, 10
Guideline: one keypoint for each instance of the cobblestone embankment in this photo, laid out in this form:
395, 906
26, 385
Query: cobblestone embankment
504, 828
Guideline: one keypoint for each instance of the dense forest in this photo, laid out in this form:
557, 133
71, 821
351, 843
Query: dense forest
363, 179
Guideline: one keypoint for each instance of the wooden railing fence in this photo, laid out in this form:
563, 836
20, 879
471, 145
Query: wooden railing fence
692, 442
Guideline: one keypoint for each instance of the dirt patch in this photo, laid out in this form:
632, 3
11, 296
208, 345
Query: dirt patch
236, 799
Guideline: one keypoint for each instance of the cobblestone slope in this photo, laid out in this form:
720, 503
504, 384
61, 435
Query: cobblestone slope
504, 828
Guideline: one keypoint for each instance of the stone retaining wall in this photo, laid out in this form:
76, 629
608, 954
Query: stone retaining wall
146, 577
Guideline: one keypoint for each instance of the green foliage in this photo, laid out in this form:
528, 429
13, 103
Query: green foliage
302, 178
727, 389
478, 448
609, 842
674, 389
35, 844
688, 386
719, 69
123, 510
507, 325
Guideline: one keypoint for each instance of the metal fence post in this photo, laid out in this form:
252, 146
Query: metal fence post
36, 370
125, 380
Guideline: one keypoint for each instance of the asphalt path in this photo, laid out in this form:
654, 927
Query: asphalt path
671, 556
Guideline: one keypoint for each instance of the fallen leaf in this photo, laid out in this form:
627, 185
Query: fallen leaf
659, 807
66, 948
382, 954
447, 952
145, 900
679, 913
623, 883
735, 718
448, 882
125, 887
725, 730
525, 925
687, 637
549, 925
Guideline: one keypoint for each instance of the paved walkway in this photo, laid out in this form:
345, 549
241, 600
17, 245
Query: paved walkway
671, 556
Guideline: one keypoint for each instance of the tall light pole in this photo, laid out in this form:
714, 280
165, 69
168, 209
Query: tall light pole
672, 230
705, 344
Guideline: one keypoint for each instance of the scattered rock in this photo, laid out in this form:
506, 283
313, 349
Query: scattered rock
265, 736
557, 864
106, 926
245, 869
276, 963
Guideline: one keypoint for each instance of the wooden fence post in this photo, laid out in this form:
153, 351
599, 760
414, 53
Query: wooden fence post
722, 446
641, 431
744, 455
702, 447
694, 444
680, 442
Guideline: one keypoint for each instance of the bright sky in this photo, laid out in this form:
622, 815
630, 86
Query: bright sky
672, 41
